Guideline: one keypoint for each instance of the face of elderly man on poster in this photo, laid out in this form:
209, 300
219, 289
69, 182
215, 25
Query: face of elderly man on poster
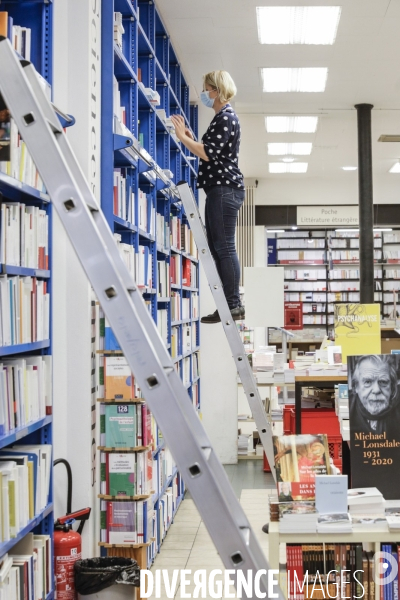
374, 390
374, 407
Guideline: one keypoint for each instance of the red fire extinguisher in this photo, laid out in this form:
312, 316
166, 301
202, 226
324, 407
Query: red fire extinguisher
67, 544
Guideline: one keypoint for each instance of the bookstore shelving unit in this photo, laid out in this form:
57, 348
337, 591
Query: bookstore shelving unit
26, 323
141, 161
322, 271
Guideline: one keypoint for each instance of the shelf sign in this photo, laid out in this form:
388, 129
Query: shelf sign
293, 315
334, 216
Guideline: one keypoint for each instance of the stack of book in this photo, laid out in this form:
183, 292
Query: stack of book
392, 515
297, 517
334, 523
363, 501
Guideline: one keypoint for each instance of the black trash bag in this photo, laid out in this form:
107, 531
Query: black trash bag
96, 574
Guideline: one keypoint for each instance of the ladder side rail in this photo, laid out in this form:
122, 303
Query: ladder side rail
229, 325
234, 539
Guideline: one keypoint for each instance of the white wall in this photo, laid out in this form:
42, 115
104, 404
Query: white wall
218, 371
272, 190
296, 191
76, 91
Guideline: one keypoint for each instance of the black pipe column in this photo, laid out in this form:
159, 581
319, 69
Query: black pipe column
365, 194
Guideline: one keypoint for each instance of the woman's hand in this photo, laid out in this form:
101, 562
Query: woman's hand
185, 136
180, 127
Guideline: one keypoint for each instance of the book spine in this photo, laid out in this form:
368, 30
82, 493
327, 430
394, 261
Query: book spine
396, 579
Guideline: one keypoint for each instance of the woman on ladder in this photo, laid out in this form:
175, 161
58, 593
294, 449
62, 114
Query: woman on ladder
220, 177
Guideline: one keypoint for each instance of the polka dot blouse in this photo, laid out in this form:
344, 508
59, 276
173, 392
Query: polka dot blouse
221, 144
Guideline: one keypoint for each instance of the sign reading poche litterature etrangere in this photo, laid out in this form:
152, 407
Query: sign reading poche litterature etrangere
327, 215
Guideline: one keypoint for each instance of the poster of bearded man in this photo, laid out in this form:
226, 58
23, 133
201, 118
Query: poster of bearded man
374, 408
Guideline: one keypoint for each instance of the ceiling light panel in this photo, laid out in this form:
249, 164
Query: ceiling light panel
297, 24
395, 168
296, 148
288, 167
291, 124
304, 79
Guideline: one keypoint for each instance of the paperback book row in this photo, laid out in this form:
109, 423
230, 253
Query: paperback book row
123, 197
188, 343
24, 236
20, 37
25, 486
183, 273
335, 571
139, 263
24, 310
182, 237
25, 391
168, 505
107, 339
337, 256
337, 296
15, 159
183, 307
316, 280
25, 573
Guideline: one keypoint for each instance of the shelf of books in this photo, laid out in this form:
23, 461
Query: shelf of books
142, 160
322, 270
26, 497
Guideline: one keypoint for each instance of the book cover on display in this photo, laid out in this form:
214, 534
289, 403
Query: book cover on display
374, 410
293, 315
120, 425
298, 459
358, 328
121, 474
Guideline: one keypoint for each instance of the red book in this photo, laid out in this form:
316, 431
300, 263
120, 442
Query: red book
289, 568
145, 439
300, 573
186, 272
34, 310
115, 200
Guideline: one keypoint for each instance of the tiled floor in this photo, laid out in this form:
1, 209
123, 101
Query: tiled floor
188, 544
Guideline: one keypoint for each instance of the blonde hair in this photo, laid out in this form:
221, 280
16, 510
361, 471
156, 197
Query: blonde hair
223, 83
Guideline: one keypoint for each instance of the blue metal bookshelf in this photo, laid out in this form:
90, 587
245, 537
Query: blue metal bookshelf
37, 16
143, 59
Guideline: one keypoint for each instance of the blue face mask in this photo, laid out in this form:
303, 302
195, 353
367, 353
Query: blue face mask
206, 100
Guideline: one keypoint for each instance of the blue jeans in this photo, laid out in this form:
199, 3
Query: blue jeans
222, 206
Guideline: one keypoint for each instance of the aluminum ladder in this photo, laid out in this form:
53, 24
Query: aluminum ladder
232, 335
130, 320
